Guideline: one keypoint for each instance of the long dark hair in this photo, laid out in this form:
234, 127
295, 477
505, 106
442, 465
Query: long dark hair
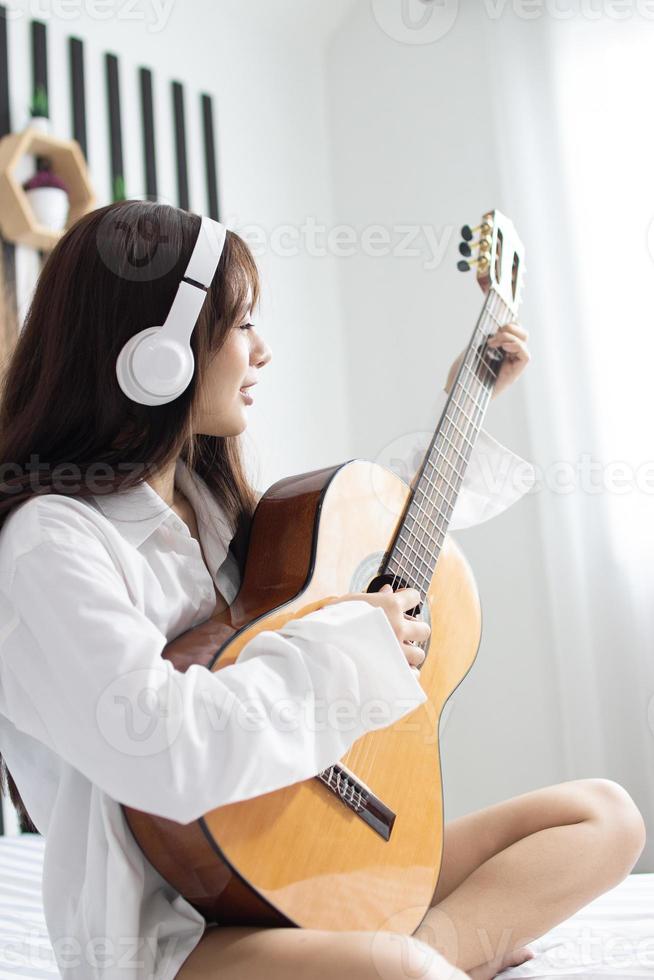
113, 273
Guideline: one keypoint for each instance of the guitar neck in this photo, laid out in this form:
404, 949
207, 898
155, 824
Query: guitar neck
417, 545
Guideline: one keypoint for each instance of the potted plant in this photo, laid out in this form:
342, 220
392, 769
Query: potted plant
48, 198
39, 110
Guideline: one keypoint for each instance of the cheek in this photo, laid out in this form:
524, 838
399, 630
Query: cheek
231, 363
240, 354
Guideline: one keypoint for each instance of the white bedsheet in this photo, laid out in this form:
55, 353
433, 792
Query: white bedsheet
25, 949
612, 936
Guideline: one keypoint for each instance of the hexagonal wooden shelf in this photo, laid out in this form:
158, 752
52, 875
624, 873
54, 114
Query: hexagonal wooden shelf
17, 220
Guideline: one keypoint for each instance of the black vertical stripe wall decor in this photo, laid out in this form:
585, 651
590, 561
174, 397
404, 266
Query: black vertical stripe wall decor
210, 157
78, 92
8, 310
40, 99
40, 64
40, 96
115, 128
180, 145
147, 116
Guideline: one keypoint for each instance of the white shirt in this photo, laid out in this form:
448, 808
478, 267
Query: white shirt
91, 716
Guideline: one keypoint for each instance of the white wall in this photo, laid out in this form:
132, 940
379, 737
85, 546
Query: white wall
414, 141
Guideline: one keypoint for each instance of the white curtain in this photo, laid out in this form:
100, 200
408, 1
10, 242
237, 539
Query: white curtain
572, 105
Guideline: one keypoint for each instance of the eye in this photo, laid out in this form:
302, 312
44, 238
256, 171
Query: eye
247, 326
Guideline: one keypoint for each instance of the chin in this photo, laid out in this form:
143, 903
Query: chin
240, 425
233, 427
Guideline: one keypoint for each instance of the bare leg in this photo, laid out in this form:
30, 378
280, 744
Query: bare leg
513, 871
226, 953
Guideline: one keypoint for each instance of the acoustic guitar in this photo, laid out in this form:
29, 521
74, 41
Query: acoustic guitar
359, 845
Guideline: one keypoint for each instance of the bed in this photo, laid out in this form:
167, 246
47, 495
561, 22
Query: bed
613, 936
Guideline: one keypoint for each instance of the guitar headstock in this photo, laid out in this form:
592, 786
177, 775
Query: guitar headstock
499, 259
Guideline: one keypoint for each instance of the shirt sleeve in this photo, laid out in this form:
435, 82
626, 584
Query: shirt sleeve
495, 477
81, 670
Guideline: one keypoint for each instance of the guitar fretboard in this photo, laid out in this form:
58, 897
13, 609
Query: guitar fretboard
417, 546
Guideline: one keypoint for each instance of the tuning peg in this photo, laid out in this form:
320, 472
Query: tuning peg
467, 233
464, 264
465, 248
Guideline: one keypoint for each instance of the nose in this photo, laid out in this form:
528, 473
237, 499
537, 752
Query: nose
263, 354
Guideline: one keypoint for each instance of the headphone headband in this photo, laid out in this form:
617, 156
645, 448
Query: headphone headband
156, 365
207, 251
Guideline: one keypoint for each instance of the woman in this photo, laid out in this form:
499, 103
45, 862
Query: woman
131, 532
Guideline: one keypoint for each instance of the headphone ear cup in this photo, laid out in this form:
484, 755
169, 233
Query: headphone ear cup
154, 370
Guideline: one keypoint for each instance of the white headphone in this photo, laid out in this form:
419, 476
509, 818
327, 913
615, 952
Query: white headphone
156, 365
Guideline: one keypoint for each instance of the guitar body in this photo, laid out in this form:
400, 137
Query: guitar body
299, 856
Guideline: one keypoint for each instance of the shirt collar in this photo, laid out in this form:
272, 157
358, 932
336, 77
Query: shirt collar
138, 511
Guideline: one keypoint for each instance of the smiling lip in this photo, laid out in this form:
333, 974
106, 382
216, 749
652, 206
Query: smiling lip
247, 398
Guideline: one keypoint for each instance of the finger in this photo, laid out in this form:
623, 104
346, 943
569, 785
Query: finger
414, 654
408, 598
500, 338
420, 630
517, 348
512, 328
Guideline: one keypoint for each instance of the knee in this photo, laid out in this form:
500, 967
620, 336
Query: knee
617, 820
399, 957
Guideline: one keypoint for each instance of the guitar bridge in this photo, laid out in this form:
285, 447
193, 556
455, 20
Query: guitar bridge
356, 796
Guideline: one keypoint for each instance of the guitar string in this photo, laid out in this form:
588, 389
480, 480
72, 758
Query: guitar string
460, 446
370, 752
496, 311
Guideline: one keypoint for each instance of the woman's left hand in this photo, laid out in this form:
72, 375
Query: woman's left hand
513, 340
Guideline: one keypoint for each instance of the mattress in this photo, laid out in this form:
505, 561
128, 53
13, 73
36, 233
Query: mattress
611, 937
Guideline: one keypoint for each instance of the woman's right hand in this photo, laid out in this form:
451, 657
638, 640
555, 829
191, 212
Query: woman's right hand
406, 628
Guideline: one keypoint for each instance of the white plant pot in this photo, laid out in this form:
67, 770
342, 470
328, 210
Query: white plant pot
50, 206
42, 123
